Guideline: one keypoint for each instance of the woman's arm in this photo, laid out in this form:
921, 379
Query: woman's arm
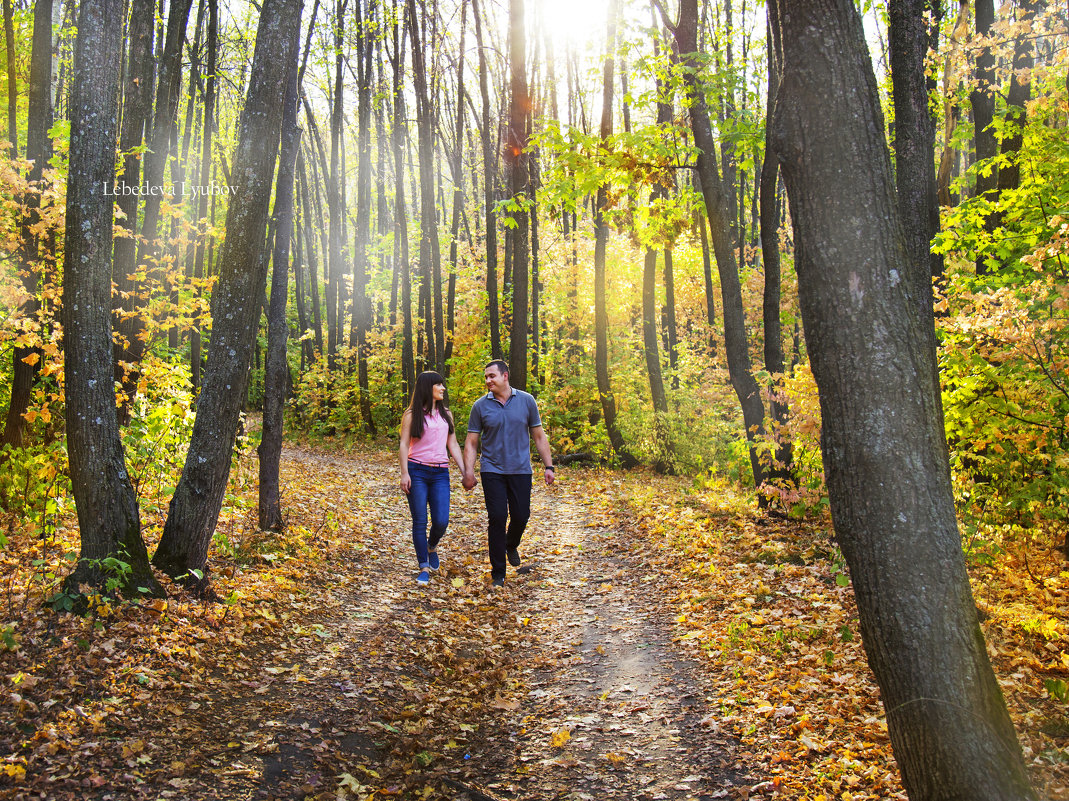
453, 447
406, 439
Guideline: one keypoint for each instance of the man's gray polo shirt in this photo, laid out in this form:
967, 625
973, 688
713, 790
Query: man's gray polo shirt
504, 431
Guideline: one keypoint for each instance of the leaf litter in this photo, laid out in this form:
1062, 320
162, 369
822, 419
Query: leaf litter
656, 644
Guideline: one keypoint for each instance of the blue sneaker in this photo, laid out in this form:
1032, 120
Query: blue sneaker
424, 577
433, 560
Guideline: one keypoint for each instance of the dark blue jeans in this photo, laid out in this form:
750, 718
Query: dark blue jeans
508, 508
430, 488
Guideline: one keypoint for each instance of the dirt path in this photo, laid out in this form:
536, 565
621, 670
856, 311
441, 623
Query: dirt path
563, 685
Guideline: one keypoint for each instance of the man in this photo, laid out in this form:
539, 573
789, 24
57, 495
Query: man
506, 420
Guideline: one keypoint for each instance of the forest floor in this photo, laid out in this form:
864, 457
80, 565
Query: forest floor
658, 642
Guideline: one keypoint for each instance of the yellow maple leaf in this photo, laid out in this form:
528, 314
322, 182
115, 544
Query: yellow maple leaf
560, 738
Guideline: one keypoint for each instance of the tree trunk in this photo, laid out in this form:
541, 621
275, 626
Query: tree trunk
721, 224
983, 110
428, 238
519, 180
457, 168
1009, 174
781, 468
108, 517
910, 33
489, 175
313, 267
137, 110
12, 82
39, 151
601, 313
361, 301
333, 263
885, 455
207, 130
236, 303
133, 326
400, 250
276, 374
707, 273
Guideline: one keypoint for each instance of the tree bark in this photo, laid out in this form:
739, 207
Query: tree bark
429, 256
39, 151
108, 516
885, 456
910, 34
1009, 174
236, 304
276, 373
983, 108
489, 175
400, 250
207, 131
781, 468
12, 82
361, 302
601, 313
519, 185
313, 268
333, 257
721, 224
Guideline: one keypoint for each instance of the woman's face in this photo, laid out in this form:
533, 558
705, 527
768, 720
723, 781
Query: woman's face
438, 392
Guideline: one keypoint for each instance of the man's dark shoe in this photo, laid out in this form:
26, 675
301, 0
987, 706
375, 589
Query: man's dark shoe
514, 556
498, 582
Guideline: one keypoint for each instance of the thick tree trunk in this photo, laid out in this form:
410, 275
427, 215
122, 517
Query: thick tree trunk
39, 151
601, 312
236, 303
276, 373
721, 223
108, 517
519, 180
885, 456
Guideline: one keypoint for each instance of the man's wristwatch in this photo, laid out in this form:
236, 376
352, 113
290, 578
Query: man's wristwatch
550, 467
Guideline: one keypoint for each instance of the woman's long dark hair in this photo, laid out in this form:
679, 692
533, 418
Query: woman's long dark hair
423, 402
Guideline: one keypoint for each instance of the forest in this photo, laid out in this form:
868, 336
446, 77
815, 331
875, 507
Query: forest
790, 284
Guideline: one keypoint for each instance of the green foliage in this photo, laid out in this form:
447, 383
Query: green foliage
1005, 336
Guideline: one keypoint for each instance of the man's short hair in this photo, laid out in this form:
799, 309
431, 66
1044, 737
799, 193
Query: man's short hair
500, 364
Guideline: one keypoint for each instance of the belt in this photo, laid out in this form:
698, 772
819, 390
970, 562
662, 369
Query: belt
429, 464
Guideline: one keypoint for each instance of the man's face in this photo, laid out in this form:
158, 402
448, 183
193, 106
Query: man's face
495, 381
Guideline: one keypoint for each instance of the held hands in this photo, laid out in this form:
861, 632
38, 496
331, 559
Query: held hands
468, 480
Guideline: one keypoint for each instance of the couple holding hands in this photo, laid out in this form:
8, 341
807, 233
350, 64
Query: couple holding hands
505, 420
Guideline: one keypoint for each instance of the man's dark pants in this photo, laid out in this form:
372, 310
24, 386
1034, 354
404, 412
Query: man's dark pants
508, 507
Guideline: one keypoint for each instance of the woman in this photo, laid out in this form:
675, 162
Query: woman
427, 441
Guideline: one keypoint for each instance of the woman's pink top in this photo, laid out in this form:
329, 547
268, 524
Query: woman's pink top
430, 448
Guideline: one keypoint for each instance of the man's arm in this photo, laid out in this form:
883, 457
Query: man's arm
538, 434
471, 442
